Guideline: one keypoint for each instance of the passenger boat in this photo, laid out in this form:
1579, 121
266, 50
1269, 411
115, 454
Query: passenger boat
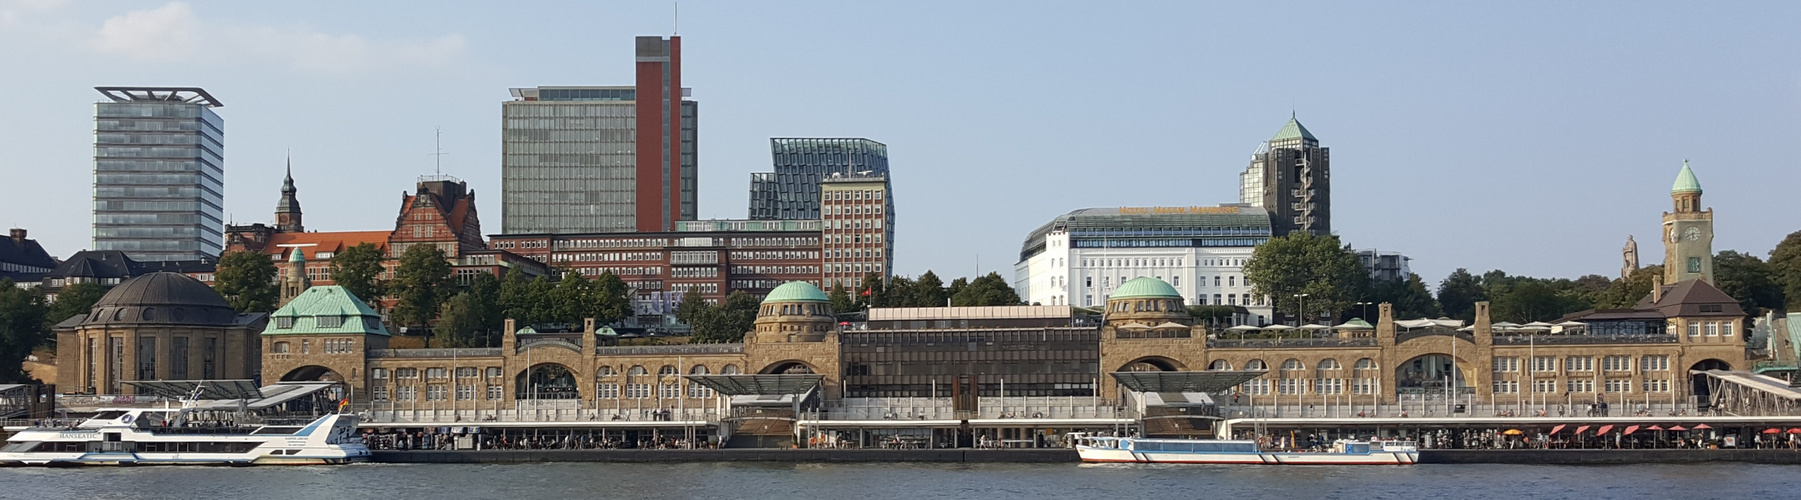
167, 437
1222, 451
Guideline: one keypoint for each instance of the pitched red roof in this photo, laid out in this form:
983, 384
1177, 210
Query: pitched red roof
333, 242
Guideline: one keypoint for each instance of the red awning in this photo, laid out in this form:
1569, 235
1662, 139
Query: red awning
1654, 428
1604, 429
1772, 430
1580, 429
1631, 429
1796, 430
1558, 428
1703, 426
1678, 428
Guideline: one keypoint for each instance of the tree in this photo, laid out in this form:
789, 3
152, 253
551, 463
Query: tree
421, 285
1212, 315
515, 296
957, 286
1409, 297
572, 299
872, 293
989, 290
728, 321
74, 300
484, 291
21, 330
247, 280
613, 298
929, 291
358, 269
1329, 273
1748, 279
1627, 292
1459, 293
1526, 300
900, 292
693, 309
1785, 266
459, 320
841, 301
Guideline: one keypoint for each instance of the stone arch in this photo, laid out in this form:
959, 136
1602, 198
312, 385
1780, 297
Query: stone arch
310, 373
1697, 382
731, 369
1429, 372
1256, 364
1220, 365
546, 381
792, 366
1152, 364
1329, 364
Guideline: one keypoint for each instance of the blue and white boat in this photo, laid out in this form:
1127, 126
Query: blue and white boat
140, 436
1224, 451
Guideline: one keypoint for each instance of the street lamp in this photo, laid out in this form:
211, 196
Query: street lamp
1366, 309
1303, 312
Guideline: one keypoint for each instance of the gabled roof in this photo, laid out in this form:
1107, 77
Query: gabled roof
303, 314
1688, 297
336, 241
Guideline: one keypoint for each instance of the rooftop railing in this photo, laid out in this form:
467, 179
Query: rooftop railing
1301, 342
1583, 339
468, 352
671, 349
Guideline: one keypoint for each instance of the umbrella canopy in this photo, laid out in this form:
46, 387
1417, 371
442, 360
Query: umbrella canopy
1654, 428
1512, 432
1467, 329
1559, 427
1580, 429
1134, 326
1314, 327
1604, 429
1677, 428
1278, 327
1702, 426
1356, 324
1536, 326
1796, 430
1772, 430
1244, 328
1170, 324
1632, 429
1505, 324
1571, 324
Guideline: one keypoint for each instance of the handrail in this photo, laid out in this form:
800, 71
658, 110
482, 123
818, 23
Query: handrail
434, 353
1304, 342
1584, 339
671, 349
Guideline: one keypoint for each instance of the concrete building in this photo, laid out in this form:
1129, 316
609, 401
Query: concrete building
158, 326
579, 160
1290, 175
159, 173
1083, 257
858, 229
792, 191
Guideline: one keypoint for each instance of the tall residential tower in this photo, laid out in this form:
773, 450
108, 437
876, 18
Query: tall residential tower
1291, 177
602, 159
159, 173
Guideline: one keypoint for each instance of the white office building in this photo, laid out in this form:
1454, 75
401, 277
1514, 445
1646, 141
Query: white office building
1079, 258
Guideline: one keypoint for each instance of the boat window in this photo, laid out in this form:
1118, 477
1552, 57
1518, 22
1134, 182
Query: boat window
109, 415
14, 447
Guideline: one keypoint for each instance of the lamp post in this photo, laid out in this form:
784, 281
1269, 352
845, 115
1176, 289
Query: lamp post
1365, 308
1302, 315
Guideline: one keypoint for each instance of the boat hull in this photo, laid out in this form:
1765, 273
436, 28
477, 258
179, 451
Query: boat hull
1111, 455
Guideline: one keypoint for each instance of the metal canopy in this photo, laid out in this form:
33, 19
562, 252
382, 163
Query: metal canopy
190, 95
758, 385
1207, 381
210, 389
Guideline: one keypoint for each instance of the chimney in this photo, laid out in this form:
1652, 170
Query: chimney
1657, 289
18, 235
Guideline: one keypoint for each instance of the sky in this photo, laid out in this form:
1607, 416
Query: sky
1530, 137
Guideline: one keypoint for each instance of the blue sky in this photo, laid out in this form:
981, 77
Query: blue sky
1531, 137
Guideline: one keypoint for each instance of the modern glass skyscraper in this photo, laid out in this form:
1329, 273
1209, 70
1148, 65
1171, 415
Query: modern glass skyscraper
159, 173
602, 159
792, 191
1291, 176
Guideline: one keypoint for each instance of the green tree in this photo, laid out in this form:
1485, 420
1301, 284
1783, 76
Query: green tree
841, 301
421, 284
729, 321
1748, 279
484, 291
1329, 273
928, 291
901, 292
538, 301
1625, 293
1785, 266
358, 269
1459, 293
572, 299
1212, 315
988, 290
21, 330
73, 300
459, 322
515, 296
612, 299
692, 309
1409, 297
956, 287
1525, 300
872, 293
247, 280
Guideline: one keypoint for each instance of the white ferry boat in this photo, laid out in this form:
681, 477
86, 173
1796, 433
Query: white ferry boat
166, 437
1221, 451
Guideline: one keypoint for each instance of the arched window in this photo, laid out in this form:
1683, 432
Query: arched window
1255, 364
666, 370
730, 370
636, 371
603, 372
1219, 364
1329, 364
698, 370
1291, 364
1365, 364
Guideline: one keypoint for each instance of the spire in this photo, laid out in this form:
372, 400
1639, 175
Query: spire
287, 211
287, 183
1293, 130
1685, 181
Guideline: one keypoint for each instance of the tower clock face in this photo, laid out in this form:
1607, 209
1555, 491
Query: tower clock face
1693, 234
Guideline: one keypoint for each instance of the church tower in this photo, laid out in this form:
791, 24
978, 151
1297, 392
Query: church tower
287, 211
1687, 233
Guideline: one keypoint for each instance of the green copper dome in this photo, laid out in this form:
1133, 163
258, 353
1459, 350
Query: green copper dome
1143, 288
1686, 181
1293, 130
796, 291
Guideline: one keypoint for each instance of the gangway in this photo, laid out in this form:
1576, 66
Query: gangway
1744, 393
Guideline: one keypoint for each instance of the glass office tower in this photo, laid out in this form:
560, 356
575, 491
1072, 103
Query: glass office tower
792, 192
159, 173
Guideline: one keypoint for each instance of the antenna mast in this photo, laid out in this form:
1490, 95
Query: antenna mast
439, 166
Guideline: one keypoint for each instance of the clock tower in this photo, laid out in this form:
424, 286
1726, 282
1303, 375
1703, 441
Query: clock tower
1687, 233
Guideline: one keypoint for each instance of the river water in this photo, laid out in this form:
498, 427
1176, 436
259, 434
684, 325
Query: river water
906, 481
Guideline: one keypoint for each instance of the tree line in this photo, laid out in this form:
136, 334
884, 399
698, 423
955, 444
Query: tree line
1339, 287
728, 320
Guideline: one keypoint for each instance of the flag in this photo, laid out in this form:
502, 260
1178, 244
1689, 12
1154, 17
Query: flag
866, 292
343, 403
